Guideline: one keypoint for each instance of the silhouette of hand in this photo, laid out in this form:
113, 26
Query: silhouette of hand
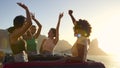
70, 12
61, 15
32, 15
22, 5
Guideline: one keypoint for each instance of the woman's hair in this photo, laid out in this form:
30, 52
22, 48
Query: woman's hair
54, 31
83, 25
18, 21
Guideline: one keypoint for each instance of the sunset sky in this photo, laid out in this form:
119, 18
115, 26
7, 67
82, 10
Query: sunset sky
103, 15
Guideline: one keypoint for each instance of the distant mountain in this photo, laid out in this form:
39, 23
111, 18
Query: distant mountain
94, 49
61, 46
4, 41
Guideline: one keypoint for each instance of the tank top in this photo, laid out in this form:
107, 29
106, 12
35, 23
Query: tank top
48, 45
31, 44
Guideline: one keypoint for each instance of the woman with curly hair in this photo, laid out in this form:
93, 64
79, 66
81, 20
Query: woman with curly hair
82, 30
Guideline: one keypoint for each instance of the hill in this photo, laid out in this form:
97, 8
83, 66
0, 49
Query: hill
4, 41
61, 46
94, 49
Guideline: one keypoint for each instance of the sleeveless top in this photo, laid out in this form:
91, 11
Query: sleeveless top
31, 44
18, 47
48, 45
83, 41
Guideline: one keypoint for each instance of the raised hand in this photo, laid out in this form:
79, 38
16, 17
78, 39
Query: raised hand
61, 15
32, 15
70, 12
22, 5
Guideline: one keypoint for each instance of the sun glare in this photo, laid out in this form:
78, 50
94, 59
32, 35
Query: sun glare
109, 36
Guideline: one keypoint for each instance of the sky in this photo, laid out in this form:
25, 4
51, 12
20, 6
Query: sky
103, 15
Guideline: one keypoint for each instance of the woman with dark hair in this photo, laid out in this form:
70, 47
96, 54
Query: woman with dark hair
31, 35
17, 43
48, 44
82, 30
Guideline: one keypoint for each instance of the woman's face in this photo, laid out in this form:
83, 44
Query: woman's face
33, 29
50, 33
76, 32
79, 32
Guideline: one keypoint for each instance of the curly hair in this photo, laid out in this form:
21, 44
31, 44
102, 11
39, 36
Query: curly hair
83, 25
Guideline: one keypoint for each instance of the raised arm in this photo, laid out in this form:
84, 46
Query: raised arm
70, 12
39, 26
27, 24
57, 28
